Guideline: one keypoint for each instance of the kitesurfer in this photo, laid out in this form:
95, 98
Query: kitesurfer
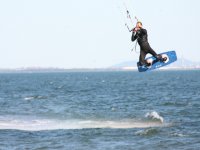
141, 35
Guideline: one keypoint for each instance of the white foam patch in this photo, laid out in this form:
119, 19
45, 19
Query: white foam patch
47, 124
155, 116
29, 98
34, 97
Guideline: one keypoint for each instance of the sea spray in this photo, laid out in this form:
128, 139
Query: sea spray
37, 124
154, 116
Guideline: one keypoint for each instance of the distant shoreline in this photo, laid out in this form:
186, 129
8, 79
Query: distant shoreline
58, 70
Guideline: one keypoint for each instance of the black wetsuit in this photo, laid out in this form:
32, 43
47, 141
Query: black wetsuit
142, 37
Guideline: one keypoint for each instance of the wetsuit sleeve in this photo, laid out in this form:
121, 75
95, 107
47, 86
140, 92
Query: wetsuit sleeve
134, 36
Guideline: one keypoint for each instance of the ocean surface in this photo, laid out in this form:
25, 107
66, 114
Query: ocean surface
100, 110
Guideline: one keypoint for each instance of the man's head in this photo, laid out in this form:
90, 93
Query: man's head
139, 24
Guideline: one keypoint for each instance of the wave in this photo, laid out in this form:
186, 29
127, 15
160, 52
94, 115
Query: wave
147, 132
35, 97
154, 116
178, 135
28, 124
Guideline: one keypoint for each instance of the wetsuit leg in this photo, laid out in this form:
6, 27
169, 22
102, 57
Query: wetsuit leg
142, 57
157, 56
152, 52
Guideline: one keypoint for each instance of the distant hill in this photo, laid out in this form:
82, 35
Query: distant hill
179, 64
184, 63
128, 65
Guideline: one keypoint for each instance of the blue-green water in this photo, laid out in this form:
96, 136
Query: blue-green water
100, 110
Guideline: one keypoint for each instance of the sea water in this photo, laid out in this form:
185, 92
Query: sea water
100, 110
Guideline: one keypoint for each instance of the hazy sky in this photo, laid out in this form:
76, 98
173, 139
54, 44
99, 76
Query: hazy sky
91, 33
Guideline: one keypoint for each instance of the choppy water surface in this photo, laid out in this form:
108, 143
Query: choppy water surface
100, 110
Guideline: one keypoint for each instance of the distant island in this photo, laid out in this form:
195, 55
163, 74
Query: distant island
183, 64
179, 64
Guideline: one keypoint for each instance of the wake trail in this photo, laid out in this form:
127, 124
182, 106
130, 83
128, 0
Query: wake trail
47, 124
28, 123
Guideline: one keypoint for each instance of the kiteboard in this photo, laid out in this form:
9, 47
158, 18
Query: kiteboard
167, 58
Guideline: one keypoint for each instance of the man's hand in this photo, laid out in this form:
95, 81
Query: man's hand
136, 29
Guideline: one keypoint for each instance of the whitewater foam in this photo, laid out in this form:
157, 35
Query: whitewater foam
28, 124
29, 98
154, 116
35, 97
